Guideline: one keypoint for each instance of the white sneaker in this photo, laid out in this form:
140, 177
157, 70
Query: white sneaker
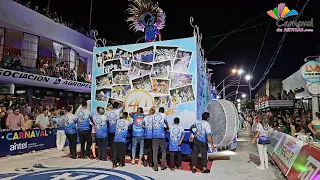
267, 167
261, 168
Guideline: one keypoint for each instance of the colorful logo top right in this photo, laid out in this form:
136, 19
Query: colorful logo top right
282, 11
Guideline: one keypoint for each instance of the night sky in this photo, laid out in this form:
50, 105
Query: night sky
214, 18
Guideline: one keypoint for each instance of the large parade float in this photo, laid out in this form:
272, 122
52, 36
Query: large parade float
170, 74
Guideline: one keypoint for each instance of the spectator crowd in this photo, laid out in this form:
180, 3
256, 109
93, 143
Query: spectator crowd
46, 68
54, 16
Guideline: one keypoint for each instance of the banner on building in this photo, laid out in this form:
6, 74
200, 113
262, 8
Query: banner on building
310, 71
19, 142
58, 50
159, 74
28, 79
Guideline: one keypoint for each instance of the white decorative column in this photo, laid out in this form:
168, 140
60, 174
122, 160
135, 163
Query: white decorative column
311, 73
314, 89
315, 106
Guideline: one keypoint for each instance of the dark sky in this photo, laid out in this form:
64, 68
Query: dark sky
214, 18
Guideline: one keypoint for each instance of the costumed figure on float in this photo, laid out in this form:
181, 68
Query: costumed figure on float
147, 17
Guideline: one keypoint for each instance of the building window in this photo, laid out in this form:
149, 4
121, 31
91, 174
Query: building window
30, 50
82, 65
46, 52
58, 52
12, 43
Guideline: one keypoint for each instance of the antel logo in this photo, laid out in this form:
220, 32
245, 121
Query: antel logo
82, 173
20, 146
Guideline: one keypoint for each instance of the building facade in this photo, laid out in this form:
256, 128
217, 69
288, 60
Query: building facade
35, 52
270, 88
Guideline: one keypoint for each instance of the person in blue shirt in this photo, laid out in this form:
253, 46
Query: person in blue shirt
158, 138
176, 137
147, 125
84, 130
60, 124
120, 140
200, 142
71, 131
100, 121
137, 134
113, 117
93, 132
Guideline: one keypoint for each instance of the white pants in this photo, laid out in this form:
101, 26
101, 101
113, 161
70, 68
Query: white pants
61, 139
262, 149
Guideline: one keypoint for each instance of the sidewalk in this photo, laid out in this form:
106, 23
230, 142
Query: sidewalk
243, 164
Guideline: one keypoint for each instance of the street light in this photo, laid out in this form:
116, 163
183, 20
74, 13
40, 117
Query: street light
244, 95
240, 71
234, 71
248, 78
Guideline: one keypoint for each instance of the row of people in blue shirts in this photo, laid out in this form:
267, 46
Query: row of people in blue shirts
112, 126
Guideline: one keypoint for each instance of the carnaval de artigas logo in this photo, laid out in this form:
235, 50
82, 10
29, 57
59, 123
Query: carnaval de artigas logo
281, 14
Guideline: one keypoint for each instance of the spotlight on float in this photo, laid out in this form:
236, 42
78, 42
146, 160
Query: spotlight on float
238, 100
248, 77
218, 97
244, 95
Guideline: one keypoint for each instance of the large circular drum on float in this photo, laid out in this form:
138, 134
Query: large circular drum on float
223, 121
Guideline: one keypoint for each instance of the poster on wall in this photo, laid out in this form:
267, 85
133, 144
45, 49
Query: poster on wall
154, 74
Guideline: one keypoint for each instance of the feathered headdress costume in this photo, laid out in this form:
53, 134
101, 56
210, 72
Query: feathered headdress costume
146, 17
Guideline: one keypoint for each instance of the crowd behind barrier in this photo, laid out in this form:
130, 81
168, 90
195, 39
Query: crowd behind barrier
295, 158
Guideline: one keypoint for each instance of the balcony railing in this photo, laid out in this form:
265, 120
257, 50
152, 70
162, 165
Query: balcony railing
275, 104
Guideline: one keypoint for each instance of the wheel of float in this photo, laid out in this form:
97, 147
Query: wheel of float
223, 120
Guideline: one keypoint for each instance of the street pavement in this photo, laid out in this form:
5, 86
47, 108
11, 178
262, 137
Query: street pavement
50, 164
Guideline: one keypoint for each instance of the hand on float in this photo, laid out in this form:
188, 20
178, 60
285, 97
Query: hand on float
212, 147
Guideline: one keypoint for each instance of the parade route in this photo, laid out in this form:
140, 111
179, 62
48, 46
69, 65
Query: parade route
50, 164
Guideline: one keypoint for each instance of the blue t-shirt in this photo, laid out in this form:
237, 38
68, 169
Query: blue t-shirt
121, 130
83, 119
113, 117
176, 133
137, 129
101, 126
147, 122
159, 120
60, 122
202, 130
70, 123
